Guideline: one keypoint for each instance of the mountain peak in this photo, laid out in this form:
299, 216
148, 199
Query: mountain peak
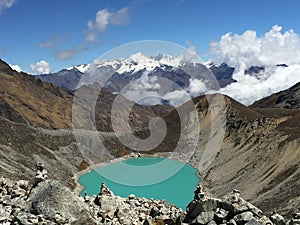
139, 56
81, 68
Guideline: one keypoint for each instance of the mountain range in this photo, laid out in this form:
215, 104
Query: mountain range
133, 67
259, 154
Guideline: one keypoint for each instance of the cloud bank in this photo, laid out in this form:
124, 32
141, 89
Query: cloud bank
246, 50
5, 4
41, 67
151, 90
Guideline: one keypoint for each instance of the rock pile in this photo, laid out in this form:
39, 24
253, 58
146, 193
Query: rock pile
41, 202
108, 208
231, 210
45, 201
41, 173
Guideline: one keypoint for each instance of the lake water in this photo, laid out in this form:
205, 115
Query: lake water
157, 178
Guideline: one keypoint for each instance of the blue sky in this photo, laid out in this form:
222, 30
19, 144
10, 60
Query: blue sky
65, 32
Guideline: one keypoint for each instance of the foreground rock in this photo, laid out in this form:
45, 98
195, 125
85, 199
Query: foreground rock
41, 202
231, 210
111, 209
45, 201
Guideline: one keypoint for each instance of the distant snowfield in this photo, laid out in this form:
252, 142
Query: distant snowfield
240, 51
246, 90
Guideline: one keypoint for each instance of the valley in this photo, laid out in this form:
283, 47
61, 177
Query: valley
251, 148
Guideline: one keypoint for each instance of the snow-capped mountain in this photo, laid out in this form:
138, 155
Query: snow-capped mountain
139, 61
167, 78
66, 78
144, 75
154, 79
81, 68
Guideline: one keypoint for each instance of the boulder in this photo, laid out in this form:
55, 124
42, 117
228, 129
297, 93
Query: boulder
154, 212
295, 220
232, 222
243, 218
50, 198
277, 219
221, 214
4, 215
264, 220
253, 222
204, 218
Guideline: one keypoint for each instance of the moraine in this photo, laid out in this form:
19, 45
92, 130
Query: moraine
157, 178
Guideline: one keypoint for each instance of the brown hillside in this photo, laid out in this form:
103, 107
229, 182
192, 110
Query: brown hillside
289, 99
26, 99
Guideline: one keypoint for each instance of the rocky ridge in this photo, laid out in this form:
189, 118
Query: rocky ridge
45, 201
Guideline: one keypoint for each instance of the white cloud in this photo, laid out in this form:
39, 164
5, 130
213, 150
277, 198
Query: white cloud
143, 90
68, 53
249, 89
191, 55
245, 50
16, 68
145, 83
41, 67
196, 87
177, 97
5, 4
105, 18
151, 90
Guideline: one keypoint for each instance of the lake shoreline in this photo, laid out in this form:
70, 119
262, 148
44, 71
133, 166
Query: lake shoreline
78, 188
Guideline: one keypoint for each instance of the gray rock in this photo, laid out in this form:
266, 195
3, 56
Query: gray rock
146, 222
23, 184
231, 222
239, 207
204, 217
132, 196
265, 220
212, 223
84, 218
7, 200
243, 217
127, 221
193, 209
3, 215
277, 219
154, 212
51, 197
253, 222
22, 217
221, 214
294, 222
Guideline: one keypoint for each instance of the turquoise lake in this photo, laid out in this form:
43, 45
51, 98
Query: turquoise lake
157, 178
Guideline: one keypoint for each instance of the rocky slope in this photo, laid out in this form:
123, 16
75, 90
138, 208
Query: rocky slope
259, 155
35, 125
46, 201
28, 100
66, 78
289, 99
